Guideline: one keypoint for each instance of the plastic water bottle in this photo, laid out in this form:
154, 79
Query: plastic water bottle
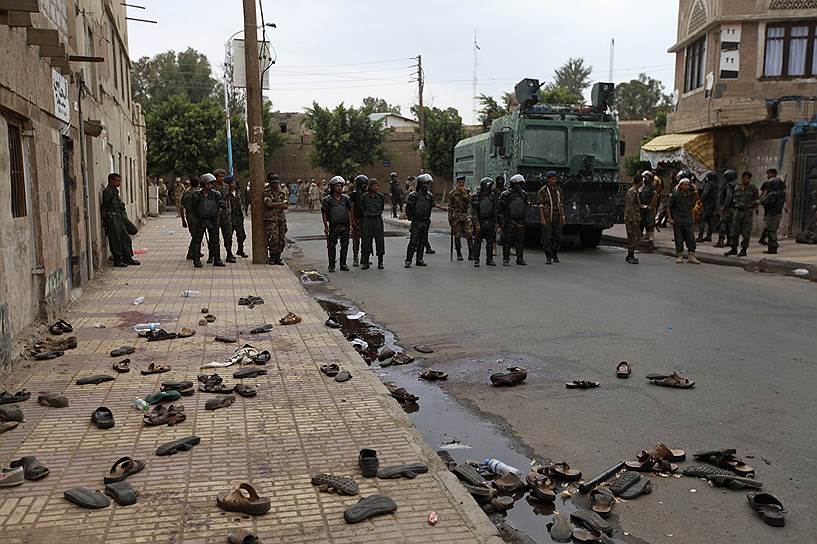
138, 300
190, 294
501, 469
145, 327
141, 405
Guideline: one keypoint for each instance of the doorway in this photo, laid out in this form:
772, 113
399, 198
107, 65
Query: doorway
804, 191
69, 182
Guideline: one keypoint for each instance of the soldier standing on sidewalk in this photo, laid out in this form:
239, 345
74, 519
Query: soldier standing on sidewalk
649, 198
373, 203
118, 227
745, 200
679, 215
189, 216
275, 222
552, 216
207, 204
726, 201
396, 194
237, 215
632, 219
225, 217
418, 210
484, 214
358, 188
513, 211
336, 212
162, 196
709, 200
459, 204
773, 198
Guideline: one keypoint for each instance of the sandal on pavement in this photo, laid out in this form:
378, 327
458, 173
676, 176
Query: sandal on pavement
735, 483
343, 376
602, 500
122, 492
243, 536
623, 370
122, 351
20, 396
330, 369
643, 486
123, 468
262, 358
409, 471
159, 335
262, 329
725, 459
581, 384
623, 482
226, 339
210, 318
512, 376
8, 426
186, 332
163, 396
154, 368
11, 477
674, 380
373, 505
48, 355
423, 349
769, 507
237, 501
86, 498
180, 444
245, 390
541, 487
95, 379
102, 418
219, 402
290, 319
432, 375
33, 469
368, 462
339, 484
562, 471
11, 412
705, 471
248, 372
591, 520
185, 388
122, 366
560, 530
52, 400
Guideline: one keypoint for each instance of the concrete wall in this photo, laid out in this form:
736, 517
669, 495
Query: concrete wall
632, 133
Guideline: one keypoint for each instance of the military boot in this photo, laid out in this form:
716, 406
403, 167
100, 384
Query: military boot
364, 265
197, 263
762, 240
555, 257
549, 258
354, 260
278, 260
719, 243
459, 254
218, 262
489, 256
742, 252
380, 262
241, 253
631, 258
230, 257
732, 251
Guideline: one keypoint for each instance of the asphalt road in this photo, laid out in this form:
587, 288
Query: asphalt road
748, 340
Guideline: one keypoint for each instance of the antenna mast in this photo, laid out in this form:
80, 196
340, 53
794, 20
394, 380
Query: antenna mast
474, 92
612, 58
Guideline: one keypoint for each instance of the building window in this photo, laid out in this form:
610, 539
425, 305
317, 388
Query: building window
113, 57
695, 64
791, 50
18, 180
282, 127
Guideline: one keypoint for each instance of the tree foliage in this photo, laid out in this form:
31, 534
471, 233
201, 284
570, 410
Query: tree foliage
169, 74
489, 109
573, 76
273, 139
344, 140
378, 105
641, 98
558, 95
443, 130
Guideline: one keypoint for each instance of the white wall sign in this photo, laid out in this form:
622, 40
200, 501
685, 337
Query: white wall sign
62, 105
239, 70
730, 64
730, 35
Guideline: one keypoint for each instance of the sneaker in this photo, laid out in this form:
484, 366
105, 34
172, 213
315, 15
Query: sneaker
11, 477
679, 259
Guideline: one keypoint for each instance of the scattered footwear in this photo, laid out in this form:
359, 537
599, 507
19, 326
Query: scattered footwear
154, 368
164, 415
8, 426
561, 530
591, 520
642, 486
122, 492
262, 358
219, 402
705, 471
561, 471
409, 471
55, 345
330, 369
541, 487
11, 412
163, 396
373, 505
123, 468
226, 339
513, 376
261, 329
402, 358
102, 417
423, 349
210, 318
432, 375
47, 355
86, 498
400, 393
20, 396
237, 501
122, 366
159, 335
60, 327
243, 536
185, 388
11, 477
725, 459
735, 483
186, 332
368, 462
623, 370
581, 534
673, 380
343, 376
602, 500
95, 379
122, 351
290, 319
509, 483
180, 444
248, 372
769, 507
245, 390
624, 482
338, 484
581, 384
33, 469
332, 323
469, 474
213, 384
52, 400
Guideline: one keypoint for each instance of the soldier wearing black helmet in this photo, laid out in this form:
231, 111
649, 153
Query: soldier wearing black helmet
709, 202
513, 211
649, 197
484, 214
726, 203
359, 187
418, 210
336, 212
396, 194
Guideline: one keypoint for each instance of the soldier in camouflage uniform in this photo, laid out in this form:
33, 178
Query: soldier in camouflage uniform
551, 216
275, 222
709, 200
237, 215
206, 205
727, 206
632, 219
189, 216
773, 199
373, 203
513, 212
225, 217
459, 204
745, 199
336, 212
179, 189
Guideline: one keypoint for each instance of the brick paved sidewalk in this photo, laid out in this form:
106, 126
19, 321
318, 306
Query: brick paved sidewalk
300, 422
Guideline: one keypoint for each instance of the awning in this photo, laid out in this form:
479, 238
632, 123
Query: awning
695, 150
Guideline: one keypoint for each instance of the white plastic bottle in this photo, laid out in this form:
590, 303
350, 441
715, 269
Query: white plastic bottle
190, 294
501, 469
145, 327
141, 405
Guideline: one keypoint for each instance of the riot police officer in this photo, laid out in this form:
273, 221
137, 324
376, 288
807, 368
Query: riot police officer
484, 212
359, 187
336, 212
513, 211
418, 210
709, 202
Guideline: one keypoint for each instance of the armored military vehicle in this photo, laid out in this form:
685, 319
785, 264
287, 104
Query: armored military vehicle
580, 143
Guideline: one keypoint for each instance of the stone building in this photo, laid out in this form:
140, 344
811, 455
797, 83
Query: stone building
57, 147
746, 88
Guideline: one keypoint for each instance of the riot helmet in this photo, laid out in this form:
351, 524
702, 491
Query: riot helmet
361, 183
517, 181
647, 176
730, 175
684, 173
711, 176
424, 181
207, 178
393, 175
486, 183
337, 180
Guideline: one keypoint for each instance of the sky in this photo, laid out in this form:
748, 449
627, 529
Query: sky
333, 51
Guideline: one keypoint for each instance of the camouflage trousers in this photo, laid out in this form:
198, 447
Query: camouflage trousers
772, 224
633, 234
276, 235
461, 227
741, 228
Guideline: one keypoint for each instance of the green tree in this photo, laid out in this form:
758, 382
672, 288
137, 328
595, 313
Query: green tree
488, 110
574, 76
378, 105
558, 95
184, 138
345, 140
443, 130
169, 74
641, 98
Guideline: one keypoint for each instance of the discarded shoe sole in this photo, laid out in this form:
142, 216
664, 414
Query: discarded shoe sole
11, 477
11, 412
226, 339
102, 417
164, 415
180, 444
245, 390
95, 380
123, 468
8, 426
47, 355
402, 358
385, 353
423, 349
562, 471
19, 396
560, 530
33, 469
409, 471
122, 351
163, 396
591, 520
479, 491
602, 500
262, 358
705, 471
340, 484
86, 498
343, 376
512, 376
373, 505
674, 380
154, 368
202, 322
735, 483
469, 474
581, 384
52, 400
243, 536
432, 375
509, 483
400, 393
641, 487
330, 369
219, 402
161, 334
248, 372
185, 388
368, 462
580, 534
624, 481
122, 492
502, 504
122, 366
243, 499
210, 318
769, 507
186, 332
623, 370
205, 310
262, 329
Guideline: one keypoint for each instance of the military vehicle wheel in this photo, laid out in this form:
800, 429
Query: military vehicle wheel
590, 237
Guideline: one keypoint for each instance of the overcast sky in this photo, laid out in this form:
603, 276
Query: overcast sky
344, 50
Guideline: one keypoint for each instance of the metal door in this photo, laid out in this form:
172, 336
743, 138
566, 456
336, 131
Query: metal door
68, 188
804, 189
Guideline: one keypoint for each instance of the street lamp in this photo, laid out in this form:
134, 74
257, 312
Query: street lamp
227, 95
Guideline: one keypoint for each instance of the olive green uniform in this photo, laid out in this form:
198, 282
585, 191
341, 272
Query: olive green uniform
680, 205
632, 218
225, 219
372, 205
115, 220
552, 203
275, 222
459, 208
745, 200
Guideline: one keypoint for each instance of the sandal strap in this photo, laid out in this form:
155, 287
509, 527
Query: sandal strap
120, 461
250, 490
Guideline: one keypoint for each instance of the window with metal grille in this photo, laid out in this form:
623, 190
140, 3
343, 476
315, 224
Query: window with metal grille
545, 143
695, 64
17, 173
791, 50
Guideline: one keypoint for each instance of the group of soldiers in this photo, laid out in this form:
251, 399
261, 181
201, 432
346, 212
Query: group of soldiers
727, 209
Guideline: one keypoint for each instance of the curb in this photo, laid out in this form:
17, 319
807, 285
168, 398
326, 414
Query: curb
749, 264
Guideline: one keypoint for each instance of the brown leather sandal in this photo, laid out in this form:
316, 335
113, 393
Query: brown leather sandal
237, 501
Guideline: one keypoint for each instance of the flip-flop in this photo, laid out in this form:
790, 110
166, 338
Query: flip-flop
769, 507
541, 487
122, 351
154, 368
402, 358
123, 468
330, 369
560, 530
512, 376
185, 388
341, 484
623, 482
409, 471
432, 375
95, 379
243, 536
373, 505
562, 471
48, 355
662, 451
180, 444
102, 417
20, 396
122, 366
735, 483
8, 426
290, 319
164, 415
122, 492
423, 349
161, 334
674, 380
186, 332
343, 376
219, 402
401, 394
581, 384
11, 412
163, 396
262, 358
52, 400
245, 390
469, 474
602, 500
86, 498
591, 520
641, 487
237, 501
248, 372
33, 469
623, 370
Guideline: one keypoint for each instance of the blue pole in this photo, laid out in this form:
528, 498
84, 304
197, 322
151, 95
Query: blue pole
229, 131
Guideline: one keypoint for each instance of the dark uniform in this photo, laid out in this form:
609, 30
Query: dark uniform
680, 206
115, 220
418, 210
358, 188
275, 223
726, 203
225, 221
396, 196
513, 212
459, 205
373, 205
206, 208
745, 199
237, 220
552, 205
646, 195
774, 200
484, 213
190, 216
632, 222
709, 202
336, 213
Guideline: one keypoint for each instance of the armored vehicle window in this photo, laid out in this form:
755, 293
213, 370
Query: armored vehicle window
595, 141
546, 143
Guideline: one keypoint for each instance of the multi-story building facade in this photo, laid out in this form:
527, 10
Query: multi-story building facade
746, 82
67, 120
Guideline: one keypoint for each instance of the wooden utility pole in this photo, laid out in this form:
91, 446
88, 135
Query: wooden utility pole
255, 131
422, 113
